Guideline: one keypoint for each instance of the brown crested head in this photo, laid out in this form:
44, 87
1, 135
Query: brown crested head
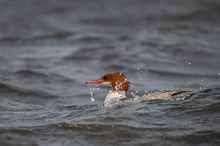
116, 79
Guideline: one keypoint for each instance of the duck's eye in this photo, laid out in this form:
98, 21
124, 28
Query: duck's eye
105, 77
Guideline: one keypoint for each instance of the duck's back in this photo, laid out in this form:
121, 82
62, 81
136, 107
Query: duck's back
161, 95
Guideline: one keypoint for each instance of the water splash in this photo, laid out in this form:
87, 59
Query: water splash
96, 87
202, 88
91, 94
119, 84
139, 74
142, 77
146, 70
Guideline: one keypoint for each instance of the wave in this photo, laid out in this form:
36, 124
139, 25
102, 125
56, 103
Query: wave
12, 89
56, 35
31, 73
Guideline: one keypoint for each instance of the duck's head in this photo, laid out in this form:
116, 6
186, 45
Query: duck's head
116, 79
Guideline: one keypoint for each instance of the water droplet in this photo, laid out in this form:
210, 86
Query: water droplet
138, 68
219, 74
188, 82
201, 88
92, 98
189, 63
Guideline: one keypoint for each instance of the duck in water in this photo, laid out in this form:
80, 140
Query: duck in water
120, 85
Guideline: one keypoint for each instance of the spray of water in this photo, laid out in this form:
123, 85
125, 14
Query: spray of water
91, 89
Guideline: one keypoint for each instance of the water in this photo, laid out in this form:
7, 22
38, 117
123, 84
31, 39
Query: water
49, 49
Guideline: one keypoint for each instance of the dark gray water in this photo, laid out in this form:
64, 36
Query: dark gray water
48, 49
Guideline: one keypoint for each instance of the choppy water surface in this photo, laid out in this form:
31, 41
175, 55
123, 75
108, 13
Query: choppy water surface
48, 49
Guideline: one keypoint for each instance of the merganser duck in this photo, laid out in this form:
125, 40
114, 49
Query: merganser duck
120, 85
